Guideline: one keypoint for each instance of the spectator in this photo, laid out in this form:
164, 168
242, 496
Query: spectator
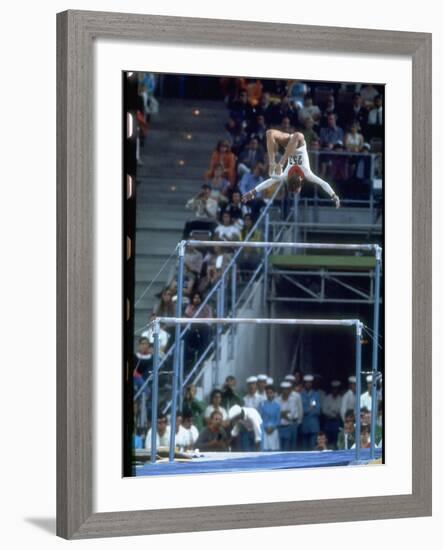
247, 428
346, 435
205, 211
215, 405
250, 156
309, 110
331, 410
368, 95
220, 186
148, 82
237, 209
163, 433
236, 135
355, 112
191, 430
266, 108
262, 382
257, 130
143, 359
182, 440
241, 109
222, 155
291, 415
165, 307
286, 125
269, 410
193, 407
338, 165
137, 438
227, 230
331, 134
348, 399
249, 256
329, 109
163, 336
286, 110
297, 92
215, 265
375, 119
248, 181
213, 437
193, 259
309, 132
366, 397
255, 90
311, 413
322, 442
252, 399
197, 337
354, 139
229, 396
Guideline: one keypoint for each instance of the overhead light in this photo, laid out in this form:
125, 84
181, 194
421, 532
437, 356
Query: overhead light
196, 112
188, 136
173, 188
181, 162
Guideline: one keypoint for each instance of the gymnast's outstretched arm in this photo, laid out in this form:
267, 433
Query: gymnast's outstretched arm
250, 195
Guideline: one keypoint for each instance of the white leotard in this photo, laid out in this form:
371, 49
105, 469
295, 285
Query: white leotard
301, 159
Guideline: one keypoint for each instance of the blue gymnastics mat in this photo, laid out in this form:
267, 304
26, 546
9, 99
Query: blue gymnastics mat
229, 462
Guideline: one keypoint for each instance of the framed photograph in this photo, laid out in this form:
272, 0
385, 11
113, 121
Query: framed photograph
244, 274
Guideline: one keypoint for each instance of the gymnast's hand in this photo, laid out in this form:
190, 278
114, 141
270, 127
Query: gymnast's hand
336, 200
249, 196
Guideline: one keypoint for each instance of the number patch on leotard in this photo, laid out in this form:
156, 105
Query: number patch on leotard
298, 159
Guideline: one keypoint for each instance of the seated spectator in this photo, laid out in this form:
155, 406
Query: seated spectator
356, 112
248, 182
143, 360
163, 336
220, 187
163, 433
250, 156
286, 126
216, 263
214, 436
191, 430
354, 139
269, 410
309, 132
215, 405
189, 282
329, 109
255, 90
286, 110
257, 129
236, 135
368, 95
227, 230
192, 407
205, 212
182, 440
309, 110
229, 396
193, 259
266, 108
198, 335
241, 109
165, 307
297, 92
237, 209
346, 435
322, 442
375, 119
365, 438
222, 155
338, 165
331, 134
247, 428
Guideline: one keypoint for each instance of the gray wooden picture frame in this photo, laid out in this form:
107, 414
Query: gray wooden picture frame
76, 32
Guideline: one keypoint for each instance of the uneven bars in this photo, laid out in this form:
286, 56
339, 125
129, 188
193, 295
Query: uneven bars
318, 246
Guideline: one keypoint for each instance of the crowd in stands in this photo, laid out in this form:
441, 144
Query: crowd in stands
296, 415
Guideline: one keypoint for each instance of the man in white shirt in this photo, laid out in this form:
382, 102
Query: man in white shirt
348, 399
163, 434
291, 416
252, 398
247, 428
366, 397
262, 382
